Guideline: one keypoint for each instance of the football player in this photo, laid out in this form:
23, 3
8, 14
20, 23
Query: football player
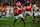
3, 11
19, 14
29, 10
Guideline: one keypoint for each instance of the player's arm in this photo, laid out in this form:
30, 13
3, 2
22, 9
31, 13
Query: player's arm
34, 10
31, 9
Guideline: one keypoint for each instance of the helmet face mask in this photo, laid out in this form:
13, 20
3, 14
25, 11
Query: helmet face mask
27, 4
27, 1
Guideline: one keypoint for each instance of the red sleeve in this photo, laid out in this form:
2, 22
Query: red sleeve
24, 11
31, 7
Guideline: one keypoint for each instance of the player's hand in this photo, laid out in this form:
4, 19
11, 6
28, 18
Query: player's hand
31, 11
23, 17
35, 10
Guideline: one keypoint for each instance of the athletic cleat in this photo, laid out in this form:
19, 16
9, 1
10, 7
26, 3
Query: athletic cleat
12, 24
25, 24
38, 21
25, 19
33, 21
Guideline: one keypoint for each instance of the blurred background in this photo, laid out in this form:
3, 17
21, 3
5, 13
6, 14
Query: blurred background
14, 1
7, 15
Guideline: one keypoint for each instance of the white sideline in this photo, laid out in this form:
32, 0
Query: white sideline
4, 26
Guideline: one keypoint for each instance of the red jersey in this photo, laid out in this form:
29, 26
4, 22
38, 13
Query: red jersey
20, 12
20, 6
18, 2
14, 4
30, 5
28, 8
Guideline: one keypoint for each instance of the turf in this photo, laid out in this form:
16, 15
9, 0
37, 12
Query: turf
10, 20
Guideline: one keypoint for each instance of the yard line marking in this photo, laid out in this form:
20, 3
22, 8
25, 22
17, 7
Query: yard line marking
3, 19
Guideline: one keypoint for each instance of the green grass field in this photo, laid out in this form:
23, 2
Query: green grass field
9, 21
